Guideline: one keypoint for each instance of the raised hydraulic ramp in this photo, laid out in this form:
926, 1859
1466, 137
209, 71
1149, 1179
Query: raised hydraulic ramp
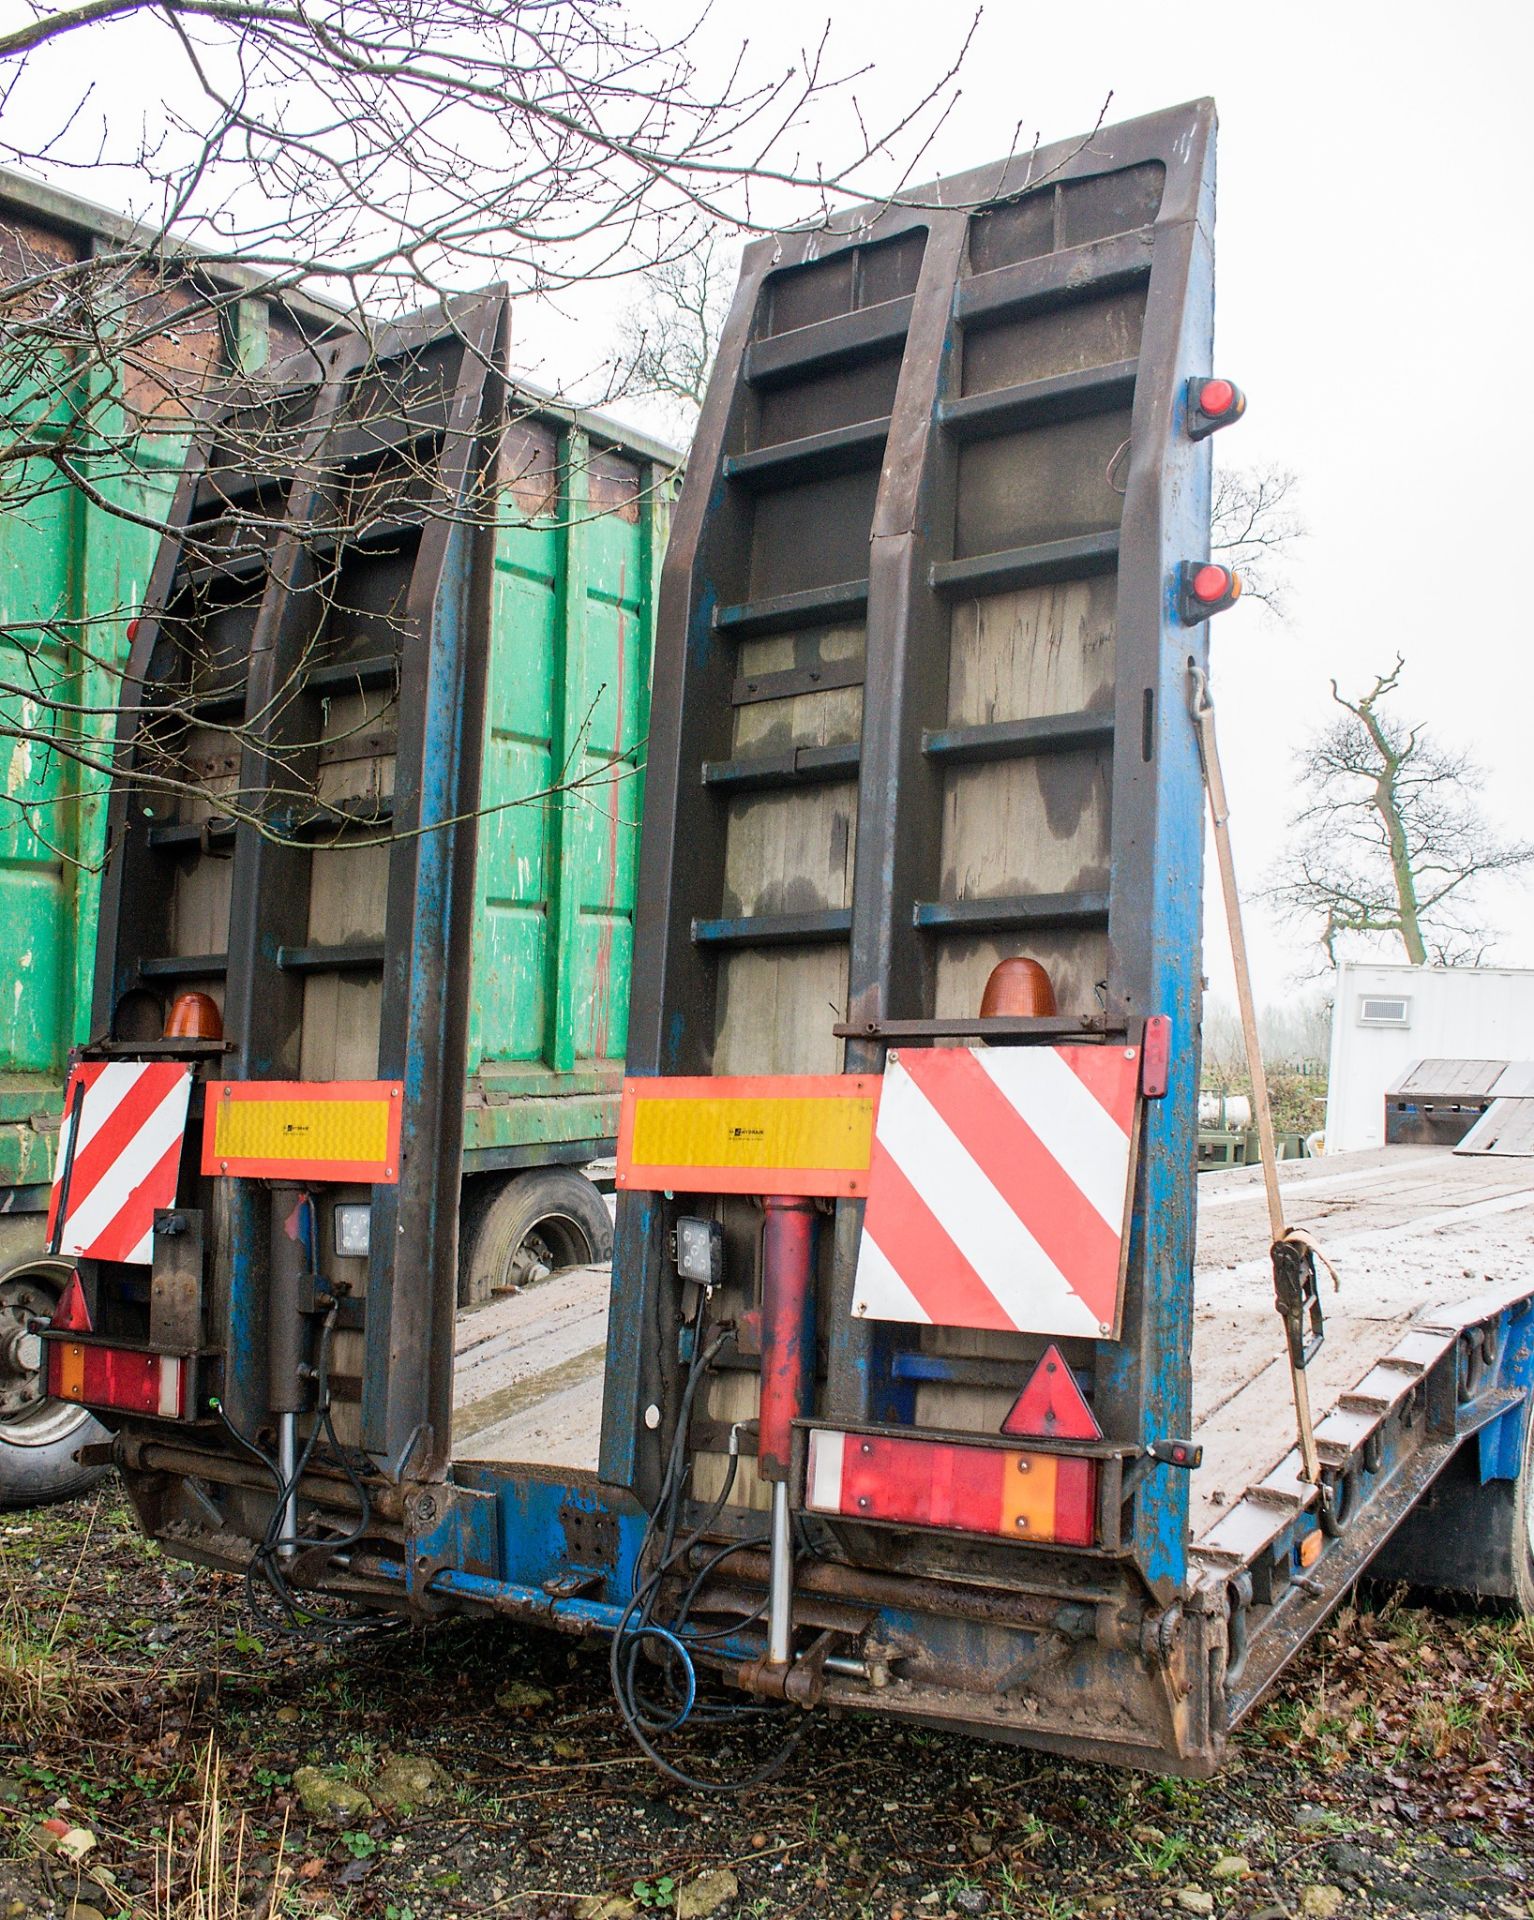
1409, 1229
1506, 1129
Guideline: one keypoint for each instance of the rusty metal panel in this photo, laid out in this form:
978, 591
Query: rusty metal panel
176, 1280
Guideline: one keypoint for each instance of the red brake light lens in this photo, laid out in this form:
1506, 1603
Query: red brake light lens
1213, 583
1217, 397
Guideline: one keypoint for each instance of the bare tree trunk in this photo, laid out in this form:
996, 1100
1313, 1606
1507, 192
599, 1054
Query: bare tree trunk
1391, 842
1387, 805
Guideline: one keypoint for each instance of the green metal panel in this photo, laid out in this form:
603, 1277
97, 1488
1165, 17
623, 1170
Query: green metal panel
607, 676
71, 573
567, 718
73, 570
507, 1011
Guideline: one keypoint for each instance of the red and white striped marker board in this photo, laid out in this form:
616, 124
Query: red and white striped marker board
127, 1154
999, 1189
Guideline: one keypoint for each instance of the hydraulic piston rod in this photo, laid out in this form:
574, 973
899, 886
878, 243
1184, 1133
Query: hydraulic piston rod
788, 1356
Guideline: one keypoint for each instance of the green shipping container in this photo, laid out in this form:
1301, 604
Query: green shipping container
577, 559
74, 564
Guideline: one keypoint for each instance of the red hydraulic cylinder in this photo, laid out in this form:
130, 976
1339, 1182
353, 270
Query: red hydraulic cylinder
788, 1327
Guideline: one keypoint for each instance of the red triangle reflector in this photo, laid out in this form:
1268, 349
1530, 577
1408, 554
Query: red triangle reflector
1052, 1406
72, 1315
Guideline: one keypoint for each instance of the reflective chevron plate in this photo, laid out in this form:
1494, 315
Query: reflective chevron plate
999, 1189
125, 1158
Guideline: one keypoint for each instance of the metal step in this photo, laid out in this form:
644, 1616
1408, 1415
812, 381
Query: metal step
802, 766
775, 929
1018, 910
1056, 279
1040, 403
1017, 739
826, 345
781, 613
816, 456
1077, 558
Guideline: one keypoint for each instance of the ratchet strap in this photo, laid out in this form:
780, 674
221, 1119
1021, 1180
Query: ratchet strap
1296, 1294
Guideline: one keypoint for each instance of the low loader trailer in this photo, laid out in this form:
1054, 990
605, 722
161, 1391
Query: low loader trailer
914, 1398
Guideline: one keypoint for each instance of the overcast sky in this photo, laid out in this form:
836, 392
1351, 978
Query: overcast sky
1373, 249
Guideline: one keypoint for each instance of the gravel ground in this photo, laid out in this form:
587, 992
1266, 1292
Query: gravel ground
482, 1771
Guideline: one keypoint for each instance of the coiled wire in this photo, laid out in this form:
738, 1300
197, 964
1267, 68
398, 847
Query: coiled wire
639, 1632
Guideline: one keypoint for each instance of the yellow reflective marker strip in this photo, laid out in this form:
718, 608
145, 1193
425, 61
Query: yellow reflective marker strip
809, 1134
304, 1129
753, 1133
309, 1130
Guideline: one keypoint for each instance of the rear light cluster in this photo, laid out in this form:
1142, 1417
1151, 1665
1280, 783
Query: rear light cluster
1016, 1495
120, 1378
1013, 1493
88, 1372
1204, 586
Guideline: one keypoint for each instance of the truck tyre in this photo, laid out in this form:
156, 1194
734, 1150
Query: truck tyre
518, 1231
38, 1436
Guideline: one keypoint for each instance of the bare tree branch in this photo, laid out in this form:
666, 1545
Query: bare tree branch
1390, 843
332, 164
666, 344
1254, 526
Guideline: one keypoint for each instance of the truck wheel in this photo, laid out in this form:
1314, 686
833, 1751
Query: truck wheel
519, 1231
38, 1436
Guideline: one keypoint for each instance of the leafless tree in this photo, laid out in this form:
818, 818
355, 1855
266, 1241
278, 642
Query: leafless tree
1254, 526
391, 147
666, 345
1389, 842
333, 165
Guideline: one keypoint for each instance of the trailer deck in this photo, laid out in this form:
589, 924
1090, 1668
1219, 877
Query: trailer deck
1410, 1229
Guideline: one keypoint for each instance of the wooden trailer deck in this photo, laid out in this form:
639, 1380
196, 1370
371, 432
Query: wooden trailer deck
1408, 1228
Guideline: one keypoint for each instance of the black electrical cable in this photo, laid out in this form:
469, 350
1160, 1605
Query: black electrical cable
638, 1626
301, 1618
